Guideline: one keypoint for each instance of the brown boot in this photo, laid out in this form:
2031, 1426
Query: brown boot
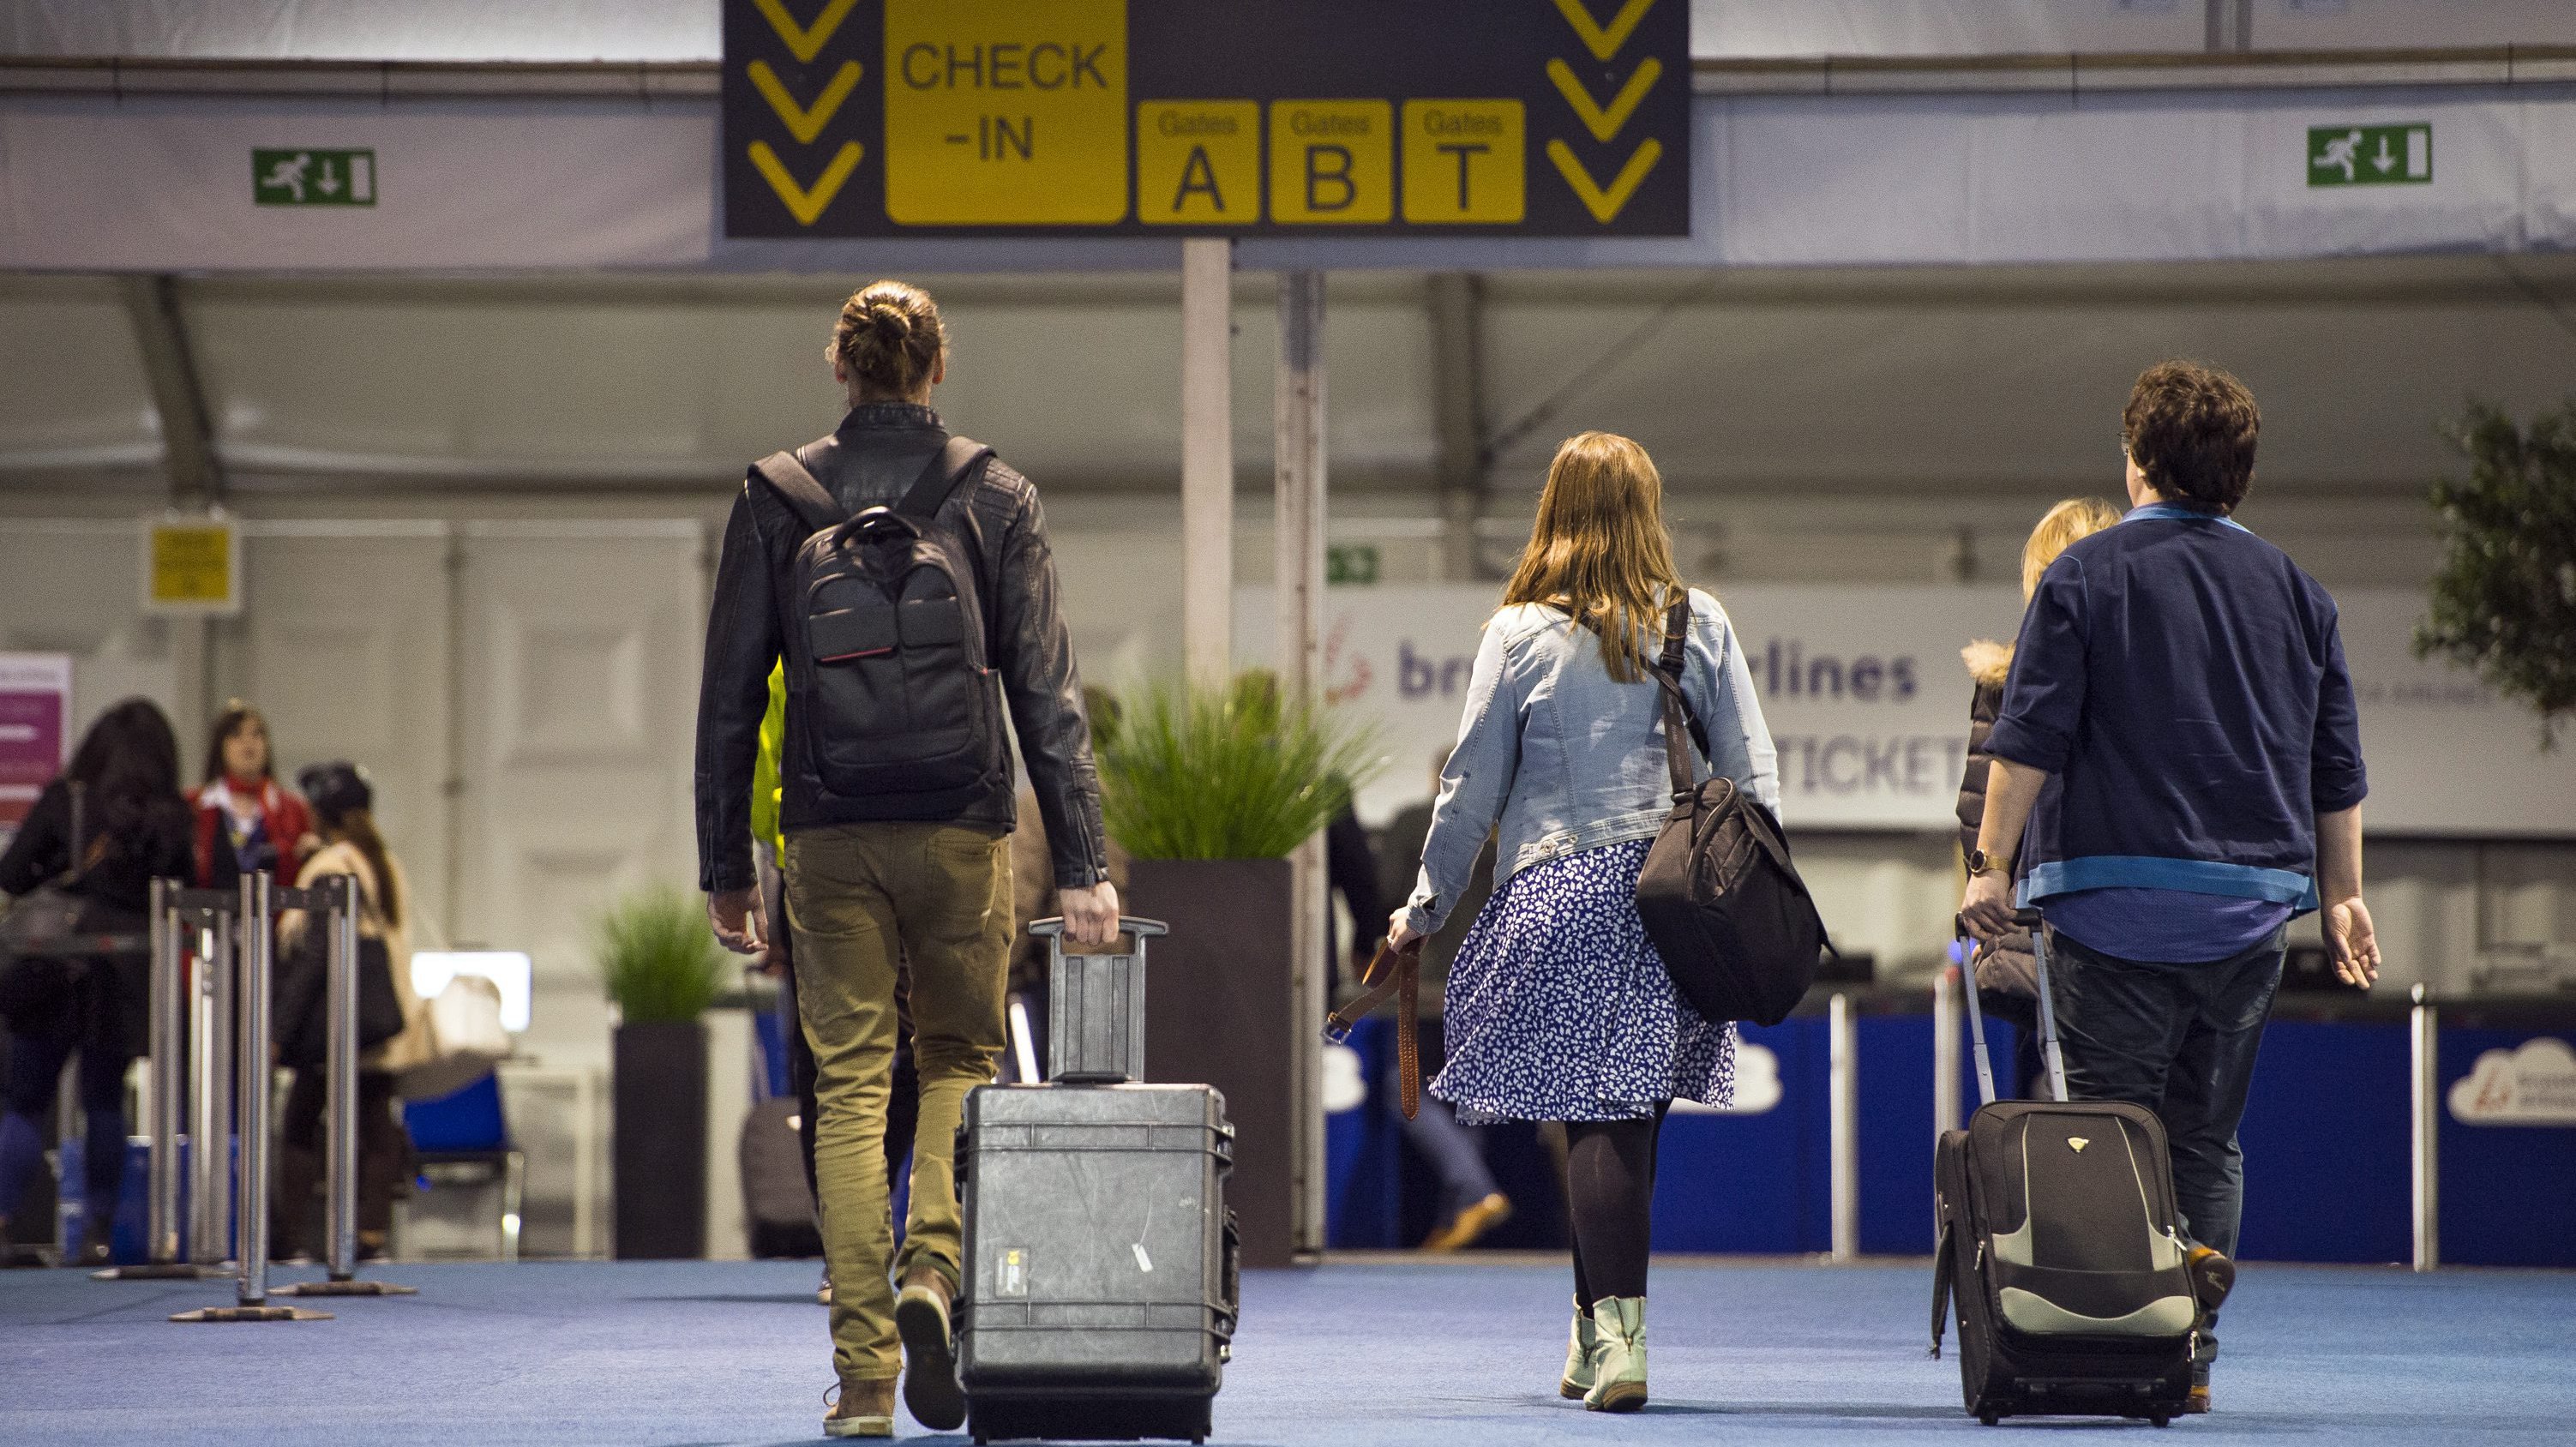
866, 1409
930, 1386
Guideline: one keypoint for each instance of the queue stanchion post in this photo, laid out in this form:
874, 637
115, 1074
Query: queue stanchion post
334, 904
170, 1019
1843, 1124
2424, 1101
210, 1160
256, 925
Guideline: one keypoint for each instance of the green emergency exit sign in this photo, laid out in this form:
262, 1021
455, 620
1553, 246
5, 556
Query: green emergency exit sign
313, 178
1348, 564
2370, 155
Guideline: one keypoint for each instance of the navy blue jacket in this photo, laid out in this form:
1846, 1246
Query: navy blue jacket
2183, 683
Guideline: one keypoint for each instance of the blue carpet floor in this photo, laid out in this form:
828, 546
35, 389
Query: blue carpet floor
1352, 1355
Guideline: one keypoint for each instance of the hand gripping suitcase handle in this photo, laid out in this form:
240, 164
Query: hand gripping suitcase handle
1132, 927
2054, 1058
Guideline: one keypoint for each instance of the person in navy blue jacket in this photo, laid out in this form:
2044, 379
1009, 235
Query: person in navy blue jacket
2178, 766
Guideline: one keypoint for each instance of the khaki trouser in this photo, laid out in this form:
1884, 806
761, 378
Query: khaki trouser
858, 897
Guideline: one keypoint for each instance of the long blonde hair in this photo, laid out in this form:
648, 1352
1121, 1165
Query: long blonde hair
2077, 517
1599, 549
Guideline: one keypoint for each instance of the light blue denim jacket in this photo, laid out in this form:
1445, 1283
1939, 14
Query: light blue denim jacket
1560, 758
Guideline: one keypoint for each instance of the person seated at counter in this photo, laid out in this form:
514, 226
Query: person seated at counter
2178, 766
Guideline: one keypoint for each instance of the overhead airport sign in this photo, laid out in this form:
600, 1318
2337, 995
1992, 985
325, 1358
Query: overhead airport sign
847, 118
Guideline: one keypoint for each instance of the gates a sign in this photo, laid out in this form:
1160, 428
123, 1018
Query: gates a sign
1227, 117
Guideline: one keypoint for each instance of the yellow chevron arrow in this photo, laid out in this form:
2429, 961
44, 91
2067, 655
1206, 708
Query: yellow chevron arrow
805, 124
805, 44
1605, 205
1602, 124
1602, 43
806, 205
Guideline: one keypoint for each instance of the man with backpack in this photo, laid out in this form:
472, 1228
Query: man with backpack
2178, 762
903, 575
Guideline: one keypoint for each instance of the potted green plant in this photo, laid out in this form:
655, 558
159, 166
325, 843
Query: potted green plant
662, 969
1208, 790
2504, 601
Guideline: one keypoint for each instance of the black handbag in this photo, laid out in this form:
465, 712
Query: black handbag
35, 985
303, 998
1720, 898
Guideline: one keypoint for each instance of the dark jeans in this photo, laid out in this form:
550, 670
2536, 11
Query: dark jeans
2179, 1040
35, 1068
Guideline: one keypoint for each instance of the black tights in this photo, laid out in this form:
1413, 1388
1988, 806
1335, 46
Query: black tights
1610, 1184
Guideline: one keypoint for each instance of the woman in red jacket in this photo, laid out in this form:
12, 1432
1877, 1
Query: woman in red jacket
241, 808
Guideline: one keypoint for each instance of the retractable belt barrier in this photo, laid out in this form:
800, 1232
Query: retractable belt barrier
225, 1017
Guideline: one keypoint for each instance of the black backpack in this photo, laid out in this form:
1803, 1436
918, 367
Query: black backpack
889, 663
1719, 897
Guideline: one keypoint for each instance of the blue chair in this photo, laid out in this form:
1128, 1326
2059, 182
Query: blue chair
464, 1139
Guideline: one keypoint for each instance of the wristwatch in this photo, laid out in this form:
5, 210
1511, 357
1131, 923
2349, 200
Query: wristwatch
1980, 862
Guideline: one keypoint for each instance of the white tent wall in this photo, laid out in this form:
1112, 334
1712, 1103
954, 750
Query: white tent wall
673, 30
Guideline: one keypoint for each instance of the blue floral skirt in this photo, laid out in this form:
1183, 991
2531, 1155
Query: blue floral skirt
1558, 1007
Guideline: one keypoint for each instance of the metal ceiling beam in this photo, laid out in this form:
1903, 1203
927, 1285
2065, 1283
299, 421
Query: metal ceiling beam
178, 391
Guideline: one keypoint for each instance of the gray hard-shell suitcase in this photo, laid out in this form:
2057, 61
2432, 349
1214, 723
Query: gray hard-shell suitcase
1100, 1282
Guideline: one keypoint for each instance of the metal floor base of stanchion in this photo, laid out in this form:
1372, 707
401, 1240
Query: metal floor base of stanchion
344, 1288
166, 1271
251, 1313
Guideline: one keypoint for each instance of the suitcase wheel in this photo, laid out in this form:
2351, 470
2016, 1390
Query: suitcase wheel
1989, 1418
2161, 1420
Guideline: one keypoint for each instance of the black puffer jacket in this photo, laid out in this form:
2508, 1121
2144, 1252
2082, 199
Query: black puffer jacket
1989, 664
2007, 967
877, 453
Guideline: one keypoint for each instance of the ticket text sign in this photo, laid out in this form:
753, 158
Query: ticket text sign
1168, 117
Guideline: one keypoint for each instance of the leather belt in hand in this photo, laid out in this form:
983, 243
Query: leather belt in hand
1398, 973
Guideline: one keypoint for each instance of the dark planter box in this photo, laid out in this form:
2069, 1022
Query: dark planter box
661, 1140
1216, 1012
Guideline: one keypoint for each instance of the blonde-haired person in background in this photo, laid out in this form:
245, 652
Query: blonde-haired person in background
2006, 978
1558, 1008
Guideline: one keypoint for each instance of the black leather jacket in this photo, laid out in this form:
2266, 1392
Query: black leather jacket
878, 451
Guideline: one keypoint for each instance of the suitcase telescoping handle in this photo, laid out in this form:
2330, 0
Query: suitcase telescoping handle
1131, 927
2028, 917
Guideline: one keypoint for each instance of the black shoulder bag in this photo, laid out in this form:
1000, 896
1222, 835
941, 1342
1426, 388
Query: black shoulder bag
1720, 899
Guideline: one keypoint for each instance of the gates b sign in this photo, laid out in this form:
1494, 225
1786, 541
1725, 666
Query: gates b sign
851, 118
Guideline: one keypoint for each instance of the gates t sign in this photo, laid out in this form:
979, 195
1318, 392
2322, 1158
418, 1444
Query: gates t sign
1206, 117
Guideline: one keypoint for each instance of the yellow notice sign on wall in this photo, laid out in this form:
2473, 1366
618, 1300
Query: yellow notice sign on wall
191, 565
1006, 112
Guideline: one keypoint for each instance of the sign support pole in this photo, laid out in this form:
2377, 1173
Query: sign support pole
1207, 460
1299, 596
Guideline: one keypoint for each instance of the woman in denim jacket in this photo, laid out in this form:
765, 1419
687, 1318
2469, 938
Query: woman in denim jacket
1558, 1006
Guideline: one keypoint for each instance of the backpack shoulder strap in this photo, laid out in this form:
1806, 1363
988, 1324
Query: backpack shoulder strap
947, 468
795, 486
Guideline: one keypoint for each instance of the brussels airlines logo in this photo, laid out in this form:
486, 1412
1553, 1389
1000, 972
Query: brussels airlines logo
1791, 672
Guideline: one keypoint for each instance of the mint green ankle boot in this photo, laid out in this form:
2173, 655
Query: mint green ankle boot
1580, 1342
1619, 1355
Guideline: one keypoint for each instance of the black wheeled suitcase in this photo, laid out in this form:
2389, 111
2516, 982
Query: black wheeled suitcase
2058, 1241
1101, 1281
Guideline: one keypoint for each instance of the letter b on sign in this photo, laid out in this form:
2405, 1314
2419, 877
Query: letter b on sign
1332, 162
